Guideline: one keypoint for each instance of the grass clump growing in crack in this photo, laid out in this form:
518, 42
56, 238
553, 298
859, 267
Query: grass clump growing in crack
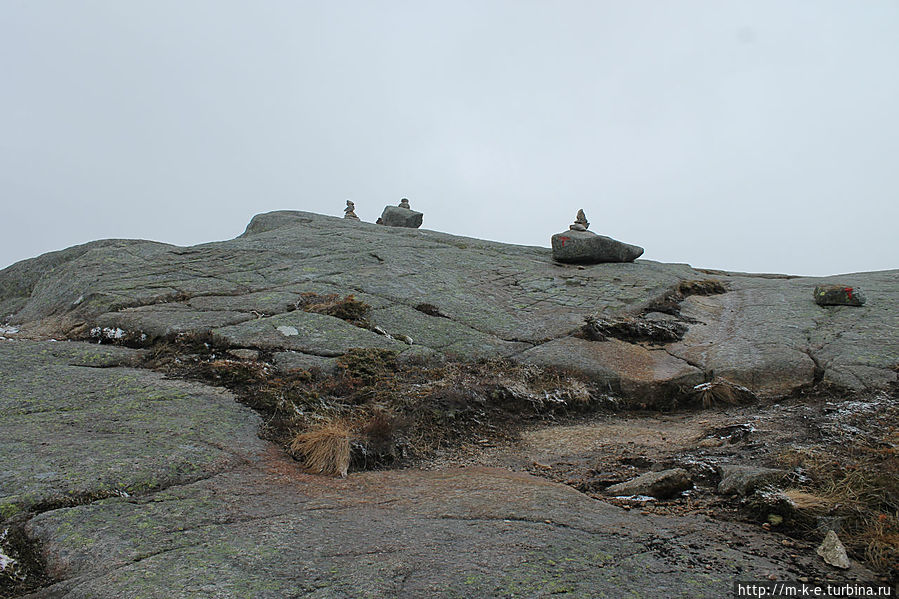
720, 392
346, 308
374, 411
670, 302
701, 287
325, 448
367, 364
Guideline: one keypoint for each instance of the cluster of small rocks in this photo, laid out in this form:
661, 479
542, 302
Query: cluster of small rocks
393, 216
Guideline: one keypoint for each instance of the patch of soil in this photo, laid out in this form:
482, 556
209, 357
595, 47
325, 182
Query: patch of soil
22, 564
839, 454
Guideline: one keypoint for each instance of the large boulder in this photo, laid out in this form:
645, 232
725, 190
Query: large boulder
395, 216
839, 295
586, 247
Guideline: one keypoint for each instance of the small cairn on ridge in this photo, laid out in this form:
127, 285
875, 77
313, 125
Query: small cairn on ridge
350, 210
580, 222
580, 246
401, 216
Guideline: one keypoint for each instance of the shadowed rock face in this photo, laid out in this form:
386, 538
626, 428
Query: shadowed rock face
491, 299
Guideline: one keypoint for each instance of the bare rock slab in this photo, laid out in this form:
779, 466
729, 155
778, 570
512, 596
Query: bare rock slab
660, 485
626, 368
276, 532
75, 425
586, 247
395, 216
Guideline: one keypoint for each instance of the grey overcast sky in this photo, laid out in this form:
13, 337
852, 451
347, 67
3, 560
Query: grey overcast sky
746, 135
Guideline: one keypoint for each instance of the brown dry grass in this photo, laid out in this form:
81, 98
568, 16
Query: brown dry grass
325, 449
701, 287
809, 502
859, 484
345, 308
721, 392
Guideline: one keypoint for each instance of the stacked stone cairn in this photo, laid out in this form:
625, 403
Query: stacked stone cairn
580, 246
350, 210
401, 216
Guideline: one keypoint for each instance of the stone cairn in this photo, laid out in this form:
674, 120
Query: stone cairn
350, 210
404, 203
580, 222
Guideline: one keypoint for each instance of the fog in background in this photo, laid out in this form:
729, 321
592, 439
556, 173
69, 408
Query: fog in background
754, 136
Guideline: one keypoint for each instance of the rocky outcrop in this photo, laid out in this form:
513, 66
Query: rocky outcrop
131, 483
487, 299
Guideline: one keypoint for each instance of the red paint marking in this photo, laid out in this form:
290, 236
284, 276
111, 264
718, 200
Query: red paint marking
848, 291
564, 239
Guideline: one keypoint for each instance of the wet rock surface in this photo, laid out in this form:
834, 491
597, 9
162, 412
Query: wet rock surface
161, 488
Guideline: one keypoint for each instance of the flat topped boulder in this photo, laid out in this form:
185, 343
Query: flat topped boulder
581, 246
586, 247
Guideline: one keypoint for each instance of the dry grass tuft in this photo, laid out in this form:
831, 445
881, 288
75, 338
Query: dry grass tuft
701, 287
345, 308
860, 484
430, 310
721, 392
597, 328
809, 502
367, 364
325, 449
